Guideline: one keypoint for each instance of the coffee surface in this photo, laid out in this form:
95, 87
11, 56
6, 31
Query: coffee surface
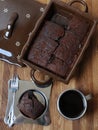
71, 104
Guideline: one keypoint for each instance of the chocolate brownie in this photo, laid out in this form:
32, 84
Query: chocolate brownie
55, 48
35, 56
58, 67
61, 52
52, 30
68, 44
41, 50
61, 20
79, 27
30, 106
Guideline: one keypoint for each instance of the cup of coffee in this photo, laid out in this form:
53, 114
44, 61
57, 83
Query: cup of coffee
72, 104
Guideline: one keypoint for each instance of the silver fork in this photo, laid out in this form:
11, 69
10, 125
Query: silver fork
14, 87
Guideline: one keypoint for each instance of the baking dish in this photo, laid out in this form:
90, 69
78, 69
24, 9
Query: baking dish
64, 10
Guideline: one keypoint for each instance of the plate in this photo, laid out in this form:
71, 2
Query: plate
24, 86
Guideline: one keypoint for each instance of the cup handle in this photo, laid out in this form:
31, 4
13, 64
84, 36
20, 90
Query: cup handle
89, 97
81, 2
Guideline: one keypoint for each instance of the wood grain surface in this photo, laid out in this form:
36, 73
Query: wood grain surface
85, 79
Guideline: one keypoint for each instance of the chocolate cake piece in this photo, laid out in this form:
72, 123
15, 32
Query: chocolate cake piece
69, 44
58, 67
79, 27
41, 50
61, 52
38, 57
52, 30
61, 20
30, 106
41, 42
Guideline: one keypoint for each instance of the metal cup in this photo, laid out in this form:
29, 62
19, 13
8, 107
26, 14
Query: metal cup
43, 118
72, 104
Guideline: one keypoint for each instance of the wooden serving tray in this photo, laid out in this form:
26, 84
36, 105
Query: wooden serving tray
58, 7
28, 12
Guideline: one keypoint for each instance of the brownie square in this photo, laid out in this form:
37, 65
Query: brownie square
30, 106
61, 20
79, 27
69, 44
41, 50
38, 57
52, 30
58, 67
61, 52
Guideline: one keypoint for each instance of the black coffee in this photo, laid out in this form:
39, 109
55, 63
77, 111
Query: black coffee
71, 104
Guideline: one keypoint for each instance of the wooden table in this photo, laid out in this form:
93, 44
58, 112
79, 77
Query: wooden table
85, 79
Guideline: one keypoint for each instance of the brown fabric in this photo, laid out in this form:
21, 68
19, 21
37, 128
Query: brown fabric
28, 13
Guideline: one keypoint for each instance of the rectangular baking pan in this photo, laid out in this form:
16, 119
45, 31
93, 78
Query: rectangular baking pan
63, 9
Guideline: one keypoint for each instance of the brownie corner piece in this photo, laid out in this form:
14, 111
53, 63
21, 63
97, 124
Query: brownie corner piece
52, 30
57, 66
30, 106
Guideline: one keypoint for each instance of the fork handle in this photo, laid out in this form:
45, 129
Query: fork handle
11, 112
13, 103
